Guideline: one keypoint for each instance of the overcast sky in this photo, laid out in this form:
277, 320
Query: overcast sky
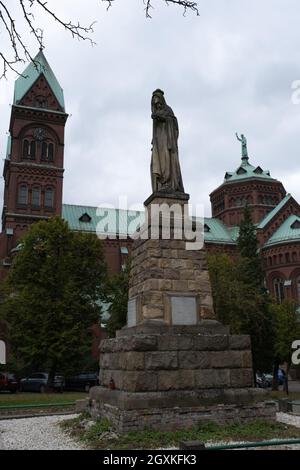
231, 69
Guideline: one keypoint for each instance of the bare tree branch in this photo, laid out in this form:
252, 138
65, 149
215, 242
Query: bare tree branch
75, 29
21, 53
186, 5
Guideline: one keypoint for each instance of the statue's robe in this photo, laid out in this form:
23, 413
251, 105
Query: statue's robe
165, 167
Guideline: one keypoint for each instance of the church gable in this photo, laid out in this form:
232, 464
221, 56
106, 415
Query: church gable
286, 208
40, 95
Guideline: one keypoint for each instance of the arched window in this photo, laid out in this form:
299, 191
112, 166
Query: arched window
23, 194
25, 148
50, 152
279, 290
2, 352
47, 152
49, 198
32, 150
44, 151
36, 197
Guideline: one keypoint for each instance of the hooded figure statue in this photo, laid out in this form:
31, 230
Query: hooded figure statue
165, 167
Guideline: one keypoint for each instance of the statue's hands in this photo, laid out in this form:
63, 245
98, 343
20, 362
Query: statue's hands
158, 117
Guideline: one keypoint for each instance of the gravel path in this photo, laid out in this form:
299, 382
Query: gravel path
44, 433
36, 434
286, 418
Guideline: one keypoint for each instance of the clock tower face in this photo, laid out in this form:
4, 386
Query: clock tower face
40, 134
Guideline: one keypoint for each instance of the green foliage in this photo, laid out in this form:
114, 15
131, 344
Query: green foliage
242, 302
55, 283
286, 329
222, 273
251, 267
243, 306
247, 241
117, 298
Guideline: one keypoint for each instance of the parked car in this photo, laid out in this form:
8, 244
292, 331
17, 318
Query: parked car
265, 380
8, 382
82, 382
260, 380
38, 383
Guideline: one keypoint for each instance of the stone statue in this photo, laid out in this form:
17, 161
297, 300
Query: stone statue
165, 167
243, 140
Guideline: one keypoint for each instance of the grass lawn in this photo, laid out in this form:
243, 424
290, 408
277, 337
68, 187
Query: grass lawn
7, 399
100, 436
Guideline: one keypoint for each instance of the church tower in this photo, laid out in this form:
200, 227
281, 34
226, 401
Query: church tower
34, 162
250, 185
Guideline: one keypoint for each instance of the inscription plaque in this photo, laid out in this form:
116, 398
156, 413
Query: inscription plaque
184, 310
131, 313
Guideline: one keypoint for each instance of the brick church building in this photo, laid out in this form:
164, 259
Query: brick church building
33, 190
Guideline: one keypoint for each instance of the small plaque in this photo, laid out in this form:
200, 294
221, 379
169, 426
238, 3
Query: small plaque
131, 313
184, 310
2, 352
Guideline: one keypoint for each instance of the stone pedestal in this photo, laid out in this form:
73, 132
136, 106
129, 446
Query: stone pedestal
169, 378
174, 364
169, 283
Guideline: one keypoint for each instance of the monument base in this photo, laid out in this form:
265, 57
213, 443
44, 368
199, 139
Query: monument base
166, 411
173, 377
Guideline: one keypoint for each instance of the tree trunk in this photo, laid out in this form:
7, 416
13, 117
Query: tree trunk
286, 381
51, 377
275, 375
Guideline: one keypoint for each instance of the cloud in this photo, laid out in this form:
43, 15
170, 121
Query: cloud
228, 70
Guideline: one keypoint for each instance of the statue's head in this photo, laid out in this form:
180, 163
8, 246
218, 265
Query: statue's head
158, 99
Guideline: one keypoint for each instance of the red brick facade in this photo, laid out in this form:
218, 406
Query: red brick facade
228, 200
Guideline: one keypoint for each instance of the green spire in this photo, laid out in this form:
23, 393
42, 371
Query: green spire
31, 74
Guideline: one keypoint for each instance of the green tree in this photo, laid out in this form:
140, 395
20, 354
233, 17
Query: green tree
243, 306
240, 298
286, 330
257, 318
251, 265
56, 282
117, 298
222, 273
